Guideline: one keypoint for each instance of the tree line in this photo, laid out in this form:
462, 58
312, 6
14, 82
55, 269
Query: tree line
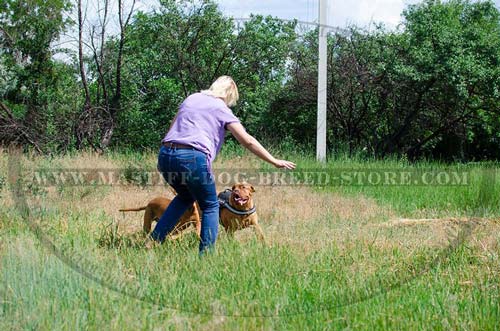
430, 88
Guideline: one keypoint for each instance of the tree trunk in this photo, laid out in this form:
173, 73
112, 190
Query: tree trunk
115, 107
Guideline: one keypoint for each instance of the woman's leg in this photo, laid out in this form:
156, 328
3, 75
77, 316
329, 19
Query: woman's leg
187, 172
182, 201
209, 205
175, 166
202, 187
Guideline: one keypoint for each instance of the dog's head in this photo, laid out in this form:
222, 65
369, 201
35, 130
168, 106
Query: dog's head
241, 196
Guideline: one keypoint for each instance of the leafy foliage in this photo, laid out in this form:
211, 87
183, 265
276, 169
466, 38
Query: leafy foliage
429, 89
183, 48
28, 29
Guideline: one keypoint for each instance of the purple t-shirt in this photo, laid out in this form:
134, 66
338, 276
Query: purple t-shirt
201, 123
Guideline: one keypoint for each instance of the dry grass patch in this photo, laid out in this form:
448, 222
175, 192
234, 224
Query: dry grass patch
303, 219
87, 160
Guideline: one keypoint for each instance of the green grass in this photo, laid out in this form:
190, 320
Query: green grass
480, 196
72, 268
475, 193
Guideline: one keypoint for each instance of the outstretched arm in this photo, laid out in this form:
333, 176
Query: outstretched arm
255, 147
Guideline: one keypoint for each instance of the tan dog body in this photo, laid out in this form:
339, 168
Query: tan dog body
241, 199
155, 208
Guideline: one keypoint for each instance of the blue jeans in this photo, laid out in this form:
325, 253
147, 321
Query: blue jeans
186, 170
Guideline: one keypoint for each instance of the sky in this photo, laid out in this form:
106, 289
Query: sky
340, 13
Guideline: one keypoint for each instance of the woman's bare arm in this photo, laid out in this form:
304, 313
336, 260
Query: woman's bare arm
255, 147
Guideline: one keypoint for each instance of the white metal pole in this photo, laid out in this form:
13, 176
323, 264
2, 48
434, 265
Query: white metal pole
322, 82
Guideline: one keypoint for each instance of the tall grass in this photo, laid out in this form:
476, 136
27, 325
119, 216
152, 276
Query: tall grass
477, 196
337, 258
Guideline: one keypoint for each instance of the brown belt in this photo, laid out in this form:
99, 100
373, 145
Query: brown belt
176, 145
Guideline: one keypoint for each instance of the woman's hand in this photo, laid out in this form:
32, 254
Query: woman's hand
284, 164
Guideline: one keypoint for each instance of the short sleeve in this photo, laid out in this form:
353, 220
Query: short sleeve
226, 117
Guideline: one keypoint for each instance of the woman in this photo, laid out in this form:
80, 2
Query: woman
189, 148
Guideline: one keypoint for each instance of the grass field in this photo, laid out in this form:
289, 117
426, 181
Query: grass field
342, 257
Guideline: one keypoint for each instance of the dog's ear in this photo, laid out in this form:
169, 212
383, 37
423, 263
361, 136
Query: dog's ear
252, 188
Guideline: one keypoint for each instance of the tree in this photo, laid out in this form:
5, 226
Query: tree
99, 114
429, 89
182, 48
27, 30
450, 61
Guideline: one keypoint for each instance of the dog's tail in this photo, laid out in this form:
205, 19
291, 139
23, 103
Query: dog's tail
133, 209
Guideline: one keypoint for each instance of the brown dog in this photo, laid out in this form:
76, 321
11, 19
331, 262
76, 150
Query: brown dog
155, 208
243, 212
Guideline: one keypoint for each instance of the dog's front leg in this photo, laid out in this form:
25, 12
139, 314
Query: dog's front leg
259, 233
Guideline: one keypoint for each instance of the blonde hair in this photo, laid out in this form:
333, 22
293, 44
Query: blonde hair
224, 87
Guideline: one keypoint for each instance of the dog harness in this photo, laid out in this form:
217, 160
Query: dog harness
224, 203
